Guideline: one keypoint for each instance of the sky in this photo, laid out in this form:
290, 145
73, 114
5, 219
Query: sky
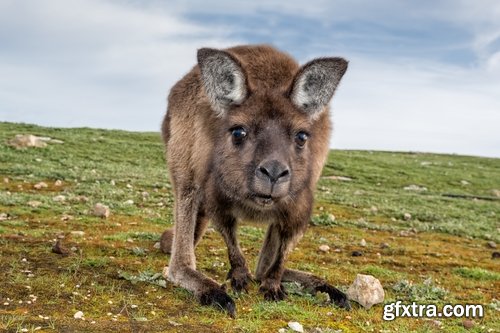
423, 75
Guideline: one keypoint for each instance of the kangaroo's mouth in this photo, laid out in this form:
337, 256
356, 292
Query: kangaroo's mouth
264, 200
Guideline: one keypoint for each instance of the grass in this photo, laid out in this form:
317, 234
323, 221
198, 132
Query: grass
437, 254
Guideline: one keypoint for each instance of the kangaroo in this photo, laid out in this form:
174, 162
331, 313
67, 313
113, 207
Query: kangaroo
246, 134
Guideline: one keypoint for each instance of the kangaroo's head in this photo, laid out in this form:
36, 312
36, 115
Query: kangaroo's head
270, 141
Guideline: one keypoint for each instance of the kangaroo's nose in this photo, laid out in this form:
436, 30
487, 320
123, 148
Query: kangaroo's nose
274, 171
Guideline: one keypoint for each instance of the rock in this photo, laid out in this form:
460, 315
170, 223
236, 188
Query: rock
384, 246
331, 217
3, 216
373, 209
366, 290
495, 192
78, 315
296, 326
101, 210
129, 202
357, 253
58, 183
59, 198
26, 141
60, 249
415, 188
40, 185
6, 180
468, 324
78, 233
495, 255
407, 216
464, 182
362, 243
324, 248
492, 244
34, 203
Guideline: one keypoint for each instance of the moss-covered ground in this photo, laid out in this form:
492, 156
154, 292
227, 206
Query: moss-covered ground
428, 242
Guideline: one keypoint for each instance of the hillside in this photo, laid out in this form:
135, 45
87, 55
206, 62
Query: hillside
430, 223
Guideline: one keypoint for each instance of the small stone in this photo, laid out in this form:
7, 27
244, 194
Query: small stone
78, 233
112, 182
78, 315
407, 216
324, 248
74, 249
129, 186
157, 245
6, 180
356, 253
362, 243
40, 185
34, 203
495, 192
374, 209
468, 324
384, 245
331, 217
58, 183
101, 210
133, 306
492, 244
416, 188
366, 290
59, 248
3, 216
26, 141
296, 326
464, 182
129, 202
59, 198
282, 330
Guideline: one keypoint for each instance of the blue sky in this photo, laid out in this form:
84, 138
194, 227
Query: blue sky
423, 76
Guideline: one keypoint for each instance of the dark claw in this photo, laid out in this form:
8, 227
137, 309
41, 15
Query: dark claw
336, 296
219, 298
274, 294
239, 279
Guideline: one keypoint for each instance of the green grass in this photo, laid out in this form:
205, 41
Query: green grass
439, 255
477, 273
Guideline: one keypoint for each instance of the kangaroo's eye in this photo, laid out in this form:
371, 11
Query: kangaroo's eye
238, 133
301, 138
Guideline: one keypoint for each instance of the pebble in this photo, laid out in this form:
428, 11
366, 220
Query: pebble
296, 326
129, 202
366, 290
357, 253
6, 180
324, 248
384, 245
58, 183
414, 187
407, 216
374, 209
34, 203
3, 216
40, 185
78, 233
59, 248
468, 324
362, 242
464, 182
492, 244
101, 210
78, 315
59, 198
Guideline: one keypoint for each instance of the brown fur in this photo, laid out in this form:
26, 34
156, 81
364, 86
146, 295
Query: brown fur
215, 178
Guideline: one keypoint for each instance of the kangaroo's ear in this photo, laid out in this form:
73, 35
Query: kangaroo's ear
315, 83
223, 79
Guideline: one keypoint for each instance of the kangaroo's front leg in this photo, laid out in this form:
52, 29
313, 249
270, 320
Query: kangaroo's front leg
182, 269
238, 274
271, 265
